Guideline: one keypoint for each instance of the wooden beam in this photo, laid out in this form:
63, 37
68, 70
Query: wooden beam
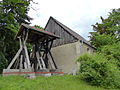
27, 57
16, 63
38, 59
39, 56
53, 60
26, 52
42, 62
18, 53
25, 65
21, 61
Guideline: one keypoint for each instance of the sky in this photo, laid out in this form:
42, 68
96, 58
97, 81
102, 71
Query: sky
78, 15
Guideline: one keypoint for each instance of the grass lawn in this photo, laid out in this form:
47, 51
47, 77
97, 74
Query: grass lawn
66, 82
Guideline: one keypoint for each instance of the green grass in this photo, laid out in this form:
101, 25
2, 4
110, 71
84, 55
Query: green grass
66, 82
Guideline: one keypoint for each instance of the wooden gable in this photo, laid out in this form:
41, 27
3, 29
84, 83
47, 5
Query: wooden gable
65, 37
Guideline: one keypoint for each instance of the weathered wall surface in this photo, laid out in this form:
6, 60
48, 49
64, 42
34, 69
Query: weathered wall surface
65, 56
85, 48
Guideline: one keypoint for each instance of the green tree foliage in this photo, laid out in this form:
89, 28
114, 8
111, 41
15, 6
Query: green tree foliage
108, 31
103, 68
3, 61
12, 14
101, 40
37, 26
112, 52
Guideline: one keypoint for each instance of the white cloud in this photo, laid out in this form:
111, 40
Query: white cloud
79, 15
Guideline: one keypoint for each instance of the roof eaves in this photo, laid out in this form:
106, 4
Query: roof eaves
39, 30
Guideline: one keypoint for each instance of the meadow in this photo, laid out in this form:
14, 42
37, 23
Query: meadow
65, 82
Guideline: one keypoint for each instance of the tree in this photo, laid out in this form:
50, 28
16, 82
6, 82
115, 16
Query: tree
103, 67
12, 14
37, 26
108, 31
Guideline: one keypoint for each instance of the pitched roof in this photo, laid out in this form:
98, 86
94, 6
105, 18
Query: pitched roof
74, 34
39, 31
35, 34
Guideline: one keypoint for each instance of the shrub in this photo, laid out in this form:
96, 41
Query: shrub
99, 71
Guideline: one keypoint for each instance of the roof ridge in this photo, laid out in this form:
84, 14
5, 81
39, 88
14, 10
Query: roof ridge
76, 35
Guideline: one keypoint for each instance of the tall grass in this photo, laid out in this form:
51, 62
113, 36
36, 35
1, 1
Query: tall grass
66, 82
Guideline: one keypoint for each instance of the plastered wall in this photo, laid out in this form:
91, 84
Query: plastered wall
65, 56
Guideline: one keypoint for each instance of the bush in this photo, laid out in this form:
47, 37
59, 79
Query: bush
99, 71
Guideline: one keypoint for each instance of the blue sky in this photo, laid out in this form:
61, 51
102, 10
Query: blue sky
78, 15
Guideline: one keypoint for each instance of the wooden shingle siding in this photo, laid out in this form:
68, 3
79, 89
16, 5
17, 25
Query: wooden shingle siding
55, 28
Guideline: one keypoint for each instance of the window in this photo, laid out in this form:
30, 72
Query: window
88, 49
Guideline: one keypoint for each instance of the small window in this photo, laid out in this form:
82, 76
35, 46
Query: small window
88, 49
